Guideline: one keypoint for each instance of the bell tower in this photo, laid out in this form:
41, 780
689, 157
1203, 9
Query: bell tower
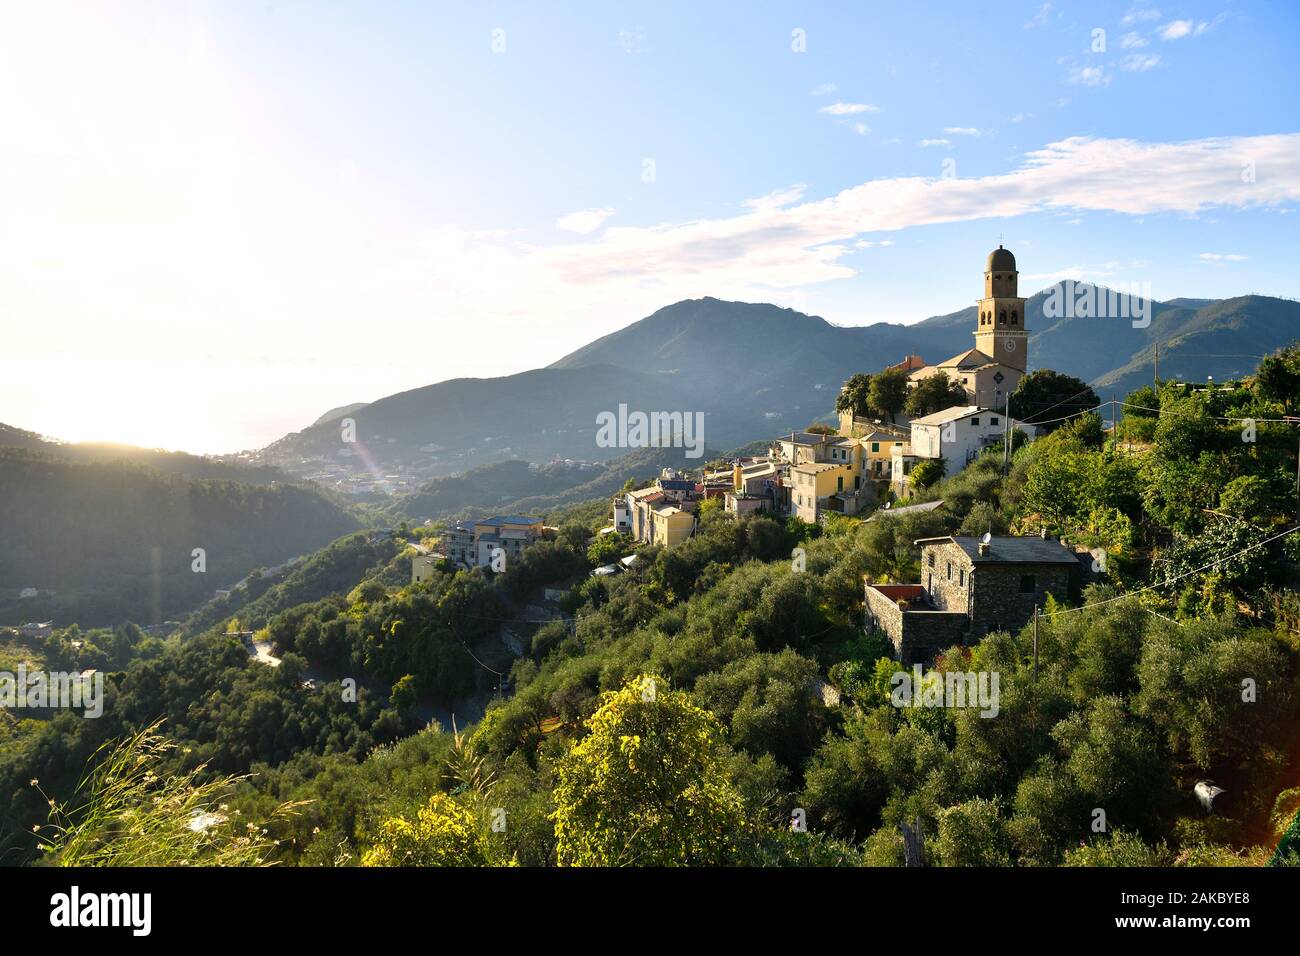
1000, 331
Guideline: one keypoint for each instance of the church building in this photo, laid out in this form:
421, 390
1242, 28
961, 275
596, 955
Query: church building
993, 368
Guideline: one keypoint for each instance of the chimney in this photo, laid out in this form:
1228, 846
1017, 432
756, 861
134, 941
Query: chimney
984, 549
738, 478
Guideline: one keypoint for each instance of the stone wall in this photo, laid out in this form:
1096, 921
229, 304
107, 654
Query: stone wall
919, 632
947, 594
928, 633
998, 603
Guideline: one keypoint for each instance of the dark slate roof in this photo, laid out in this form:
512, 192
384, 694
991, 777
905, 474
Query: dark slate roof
499, 520
1007, 549
677, 484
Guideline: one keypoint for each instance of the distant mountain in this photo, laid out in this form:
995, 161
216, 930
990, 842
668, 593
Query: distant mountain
168, 462
755, 370
334, 414
752, 369
108, 541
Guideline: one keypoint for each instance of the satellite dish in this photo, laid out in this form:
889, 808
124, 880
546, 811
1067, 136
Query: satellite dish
988, 536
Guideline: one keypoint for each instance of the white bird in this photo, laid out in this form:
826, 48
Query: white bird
1207, 793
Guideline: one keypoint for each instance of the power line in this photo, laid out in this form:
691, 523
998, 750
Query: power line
1159, 584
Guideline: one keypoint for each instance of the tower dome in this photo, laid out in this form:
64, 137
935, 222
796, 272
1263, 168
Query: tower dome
1001, 260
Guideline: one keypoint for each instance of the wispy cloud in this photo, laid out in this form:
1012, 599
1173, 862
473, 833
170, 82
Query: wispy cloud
964, 131
1040, 17
1176, 29
1139, 62
584, 220
1140, 15
1131, 41
1088, 75
927, 143
824, 89
848, 109
777, 198
1221, 258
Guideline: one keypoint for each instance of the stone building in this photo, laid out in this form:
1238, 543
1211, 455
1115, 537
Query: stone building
968, 589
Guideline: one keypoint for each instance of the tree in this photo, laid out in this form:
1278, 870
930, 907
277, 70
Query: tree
928, 471
443, 833
648, 785
888, 392
1048, 396
1278, 377
607, 548
973, 834
854, 396
820, 428
934, 394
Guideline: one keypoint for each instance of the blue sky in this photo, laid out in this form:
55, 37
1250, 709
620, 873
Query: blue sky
226, 218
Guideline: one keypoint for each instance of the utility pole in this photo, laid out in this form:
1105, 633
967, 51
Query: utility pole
1006, 438
1035, 644
1295, 420
1114, 424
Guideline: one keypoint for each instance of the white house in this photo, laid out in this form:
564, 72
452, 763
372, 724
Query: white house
960, 433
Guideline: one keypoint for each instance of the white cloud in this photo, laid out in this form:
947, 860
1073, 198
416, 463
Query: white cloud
963, 131
1019, 117
1139, 62
1176, 30
823, 89
862, 129
1221, 258
848, 109
926, 143
777, 198
584, 220
1131, 41
1040, 17
1140, 15
873, 243
1089, 76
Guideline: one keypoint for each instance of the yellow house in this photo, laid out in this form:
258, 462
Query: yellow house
670, 525
824, 486
654, 519
879, 448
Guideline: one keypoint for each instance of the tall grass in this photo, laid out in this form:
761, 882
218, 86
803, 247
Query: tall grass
131, 810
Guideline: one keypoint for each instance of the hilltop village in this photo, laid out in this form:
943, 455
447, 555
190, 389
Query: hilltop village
865, 463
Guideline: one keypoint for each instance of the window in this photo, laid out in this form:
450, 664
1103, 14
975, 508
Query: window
1028, 583
961, 577
949, 570
875, 447
975, 420
994, 420
930, 559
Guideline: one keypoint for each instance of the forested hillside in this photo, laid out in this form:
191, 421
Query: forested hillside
687, 711
107, 542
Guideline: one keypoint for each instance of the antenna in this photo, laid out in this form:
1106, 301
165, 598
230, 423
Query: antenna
988, 536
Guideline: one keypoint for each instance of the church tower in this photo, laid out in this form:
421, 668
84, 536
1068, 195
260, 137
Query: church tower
1000, 331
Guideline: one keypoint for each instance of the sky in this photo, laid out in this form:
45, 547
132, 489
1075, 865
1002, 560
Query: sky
219, 220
